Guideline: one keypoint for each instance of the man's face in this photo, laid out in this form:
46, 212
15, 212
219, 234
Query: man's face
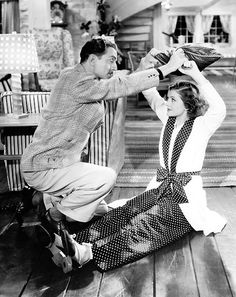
105, 64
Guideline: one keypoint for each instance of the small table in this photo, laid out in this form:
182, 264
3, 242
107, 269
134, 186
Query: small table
9, 121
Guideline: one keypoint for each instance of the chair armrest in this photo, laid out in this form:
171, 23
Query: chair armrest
116, 153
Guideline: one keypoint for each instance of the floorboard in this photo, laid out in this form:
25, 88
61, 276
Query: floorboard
17, 258
135, 279
224, 200
174, 272
210, 274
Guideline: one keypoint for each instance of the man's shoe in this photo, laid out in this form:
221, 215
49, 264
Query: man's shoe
80, 253
54, 244
52, 225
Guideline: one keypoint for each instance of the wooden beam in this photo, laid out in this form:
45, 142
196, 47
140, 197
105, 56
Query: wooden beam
193, 8
137, 37
124, 9
211, 3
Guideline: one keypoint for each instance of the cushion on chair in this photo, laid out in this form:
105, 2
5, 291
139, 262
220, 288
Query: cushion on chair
55, 52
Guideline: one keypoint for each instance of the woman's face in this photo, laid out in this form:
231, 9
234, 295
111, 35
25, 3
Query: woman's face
175, 105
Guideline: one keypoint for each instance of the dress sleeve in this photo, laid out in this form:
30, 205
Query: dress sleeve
216, 112
157, 103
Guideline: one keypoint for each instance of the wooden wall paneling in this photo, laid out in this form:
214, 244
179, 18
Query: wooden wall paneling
135, 46
124, 9
135, 30
135, 21
147, 13
131, 38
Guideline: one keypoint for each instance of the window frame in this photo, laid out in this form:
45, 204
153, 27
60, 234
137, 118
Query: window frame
214, 27
188, 35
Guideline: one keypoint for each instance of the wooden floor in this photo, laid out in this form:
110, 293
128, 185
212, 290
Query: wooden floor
193, 266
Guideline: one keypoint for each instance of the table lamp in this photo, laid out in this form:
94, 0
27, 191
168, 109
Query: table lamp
18, 55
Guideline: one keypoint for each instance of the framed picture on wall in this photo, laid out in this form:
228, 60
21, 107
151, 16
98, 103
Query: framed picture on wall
58, 13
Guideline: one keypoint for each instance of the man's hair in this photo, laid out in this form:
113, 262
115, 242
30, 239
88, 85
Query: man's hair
96, 46
190, 95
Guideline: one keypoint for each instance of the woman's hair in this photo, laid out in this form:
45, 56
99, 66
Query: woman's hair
190, 95
96, 46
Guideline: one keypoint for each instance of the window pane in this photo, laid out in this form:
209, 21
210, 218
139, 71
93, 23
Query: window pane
216, 33
181, 29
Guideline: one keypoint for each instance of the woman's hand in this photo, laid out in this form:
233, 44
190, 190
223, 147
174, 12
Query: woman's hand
190, 68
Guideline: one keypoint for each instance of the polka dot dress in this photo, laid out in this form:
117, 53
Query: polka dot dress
148, 221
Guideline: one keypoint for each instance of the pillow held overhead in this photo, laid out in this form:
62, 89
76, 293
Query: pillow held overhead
202, 55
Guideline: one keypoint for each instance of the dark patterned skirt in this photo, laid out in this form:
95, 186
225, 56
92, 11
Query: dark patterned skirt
143, 225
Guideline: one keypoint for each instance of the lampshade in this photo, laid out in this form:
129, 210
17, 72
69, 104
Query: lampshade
17, 55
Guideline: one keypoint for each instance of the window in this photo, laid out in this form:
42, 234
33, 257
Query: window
181, 29
216, 33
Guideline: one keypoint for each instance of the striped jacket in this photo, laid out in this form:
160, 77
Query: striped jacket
74, 110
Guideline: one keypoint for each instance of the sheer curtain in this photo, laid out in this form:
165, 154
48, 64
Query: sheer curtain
190, 22
206, 23
225, 21
172, 20
10, 16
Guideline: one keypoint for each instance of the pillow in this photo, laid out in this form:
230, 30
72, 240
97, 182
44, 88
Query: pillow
203, 56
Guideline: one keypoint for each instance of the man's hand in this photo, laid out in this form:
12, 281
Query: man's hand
177, 59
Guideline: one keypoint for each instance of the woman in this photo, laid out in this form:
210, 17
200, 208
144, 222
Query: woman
174, 202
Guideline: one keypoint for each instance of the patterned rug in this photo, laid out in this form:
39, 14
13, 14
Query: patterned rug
142, 131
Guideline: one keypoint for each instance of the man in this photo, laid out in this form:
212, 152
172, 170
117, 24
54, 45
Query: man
52, 162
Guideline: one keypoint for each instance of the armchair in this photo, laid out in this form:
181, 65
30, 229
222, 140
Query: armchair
55, 52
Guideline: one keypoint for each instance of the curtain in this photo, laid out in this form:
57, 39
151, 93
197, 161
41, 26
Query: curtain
206, 23
190, 22
10, 16
172, 20
225, 21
